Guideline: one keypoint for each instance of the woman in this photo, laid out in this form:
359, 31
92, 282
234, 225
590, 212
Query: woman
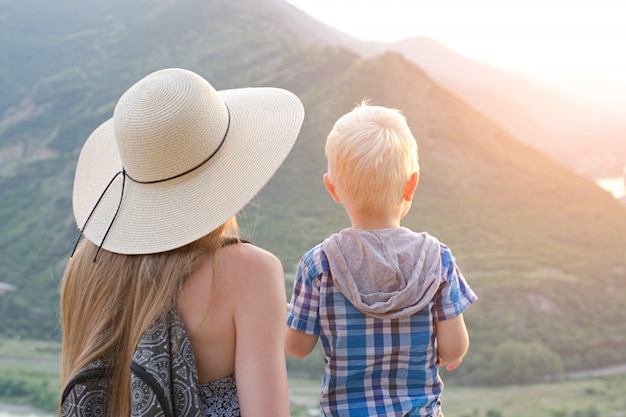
155, 194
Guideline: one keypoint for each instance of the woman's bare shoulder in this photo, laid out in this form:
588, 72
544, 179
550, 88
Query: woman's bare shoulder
243, 253
256, 277
246, 260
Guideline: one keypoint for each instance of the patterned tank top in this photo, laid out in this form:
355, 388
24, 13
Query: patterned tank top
219, 398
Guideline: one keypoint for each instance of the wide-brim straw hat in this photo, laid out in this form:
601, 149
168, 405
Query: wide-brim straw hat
178, 159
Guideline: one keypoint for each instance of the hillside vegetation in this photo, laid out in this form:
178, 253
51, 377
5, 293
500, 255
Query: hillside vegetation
543, 247
30, 379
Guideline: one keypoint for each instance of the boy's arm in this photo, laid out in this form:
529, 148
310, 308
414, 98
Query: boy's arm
454, 297
302, 312
452, 341
298, 344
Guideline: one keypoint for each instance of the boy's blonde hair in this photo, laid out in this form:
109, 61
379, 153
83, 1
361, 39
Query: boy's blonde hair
371, 155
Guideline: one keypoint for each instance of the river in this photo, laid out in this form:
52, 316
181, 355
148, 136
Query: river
615, 186
7, 410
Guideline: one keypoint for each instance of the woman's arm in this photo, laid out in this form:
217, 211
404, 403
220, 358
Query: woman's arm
260, 367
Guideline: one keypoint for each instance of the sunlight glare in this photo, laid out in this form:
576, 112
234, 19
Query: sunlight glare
543, 37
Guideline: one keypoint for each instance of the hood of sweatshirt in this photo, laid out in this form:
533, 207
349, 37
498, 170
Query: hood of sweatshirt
385, 273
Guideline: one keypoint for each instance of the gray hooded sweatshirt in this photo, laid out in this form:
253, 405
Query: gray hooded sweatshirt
385, 273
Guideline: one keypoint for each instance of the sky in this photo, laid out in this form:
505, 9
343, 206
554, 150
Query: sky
552, 39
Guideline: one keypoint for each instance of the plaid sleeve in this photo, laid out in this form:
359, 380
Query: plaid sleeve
454, 295
303, 314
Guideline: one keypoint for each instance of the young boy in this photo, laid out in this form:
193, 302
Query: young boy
385, 301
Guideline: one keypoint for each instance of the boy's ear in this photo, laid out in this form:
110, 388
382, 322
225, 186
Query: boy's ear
330, 187
411, 185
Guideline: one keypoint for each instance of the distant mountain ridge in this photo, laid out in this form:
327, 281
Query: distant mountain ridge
542, 246
589, 139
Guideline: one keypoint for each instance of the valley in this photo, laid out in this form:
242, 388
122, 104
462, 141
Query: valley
583, 395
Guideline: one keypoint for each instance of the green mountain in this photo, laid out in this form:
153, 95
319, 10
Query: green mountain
544, 248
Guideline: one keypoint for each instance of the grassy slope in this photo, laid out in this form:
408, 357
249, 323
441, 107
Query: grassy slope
590, 397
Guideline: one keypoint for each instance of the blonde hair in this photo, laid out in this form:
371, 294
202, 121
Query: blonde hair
371, 154
107, 305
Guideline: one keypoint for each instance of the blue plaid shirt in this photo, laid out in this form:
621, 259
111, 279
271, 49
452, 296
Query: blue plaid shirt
375, 367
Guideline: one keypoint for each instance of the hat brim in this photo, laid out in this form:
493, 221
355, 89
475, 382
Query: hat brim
158, 217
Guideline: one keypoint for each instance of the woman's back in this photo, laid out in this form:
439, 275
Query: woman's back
233, 308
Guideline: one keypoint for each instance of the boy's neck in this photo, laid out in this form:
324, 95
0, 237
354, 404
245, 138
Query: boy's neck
370, 221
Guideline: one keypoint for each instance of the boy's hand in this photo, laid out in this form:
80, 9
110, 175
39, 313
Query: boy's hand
451, 366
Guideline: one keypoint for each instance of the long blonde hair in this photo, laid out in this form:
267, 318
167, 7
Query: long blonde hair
107, 305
